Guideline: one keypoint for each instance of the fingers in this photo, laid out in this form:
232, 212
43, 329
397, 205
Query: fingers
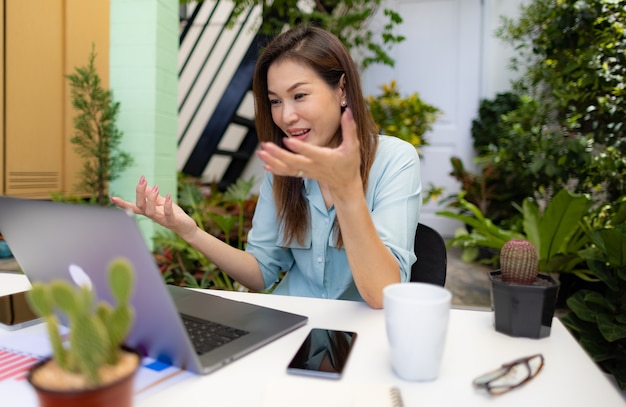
348, 133
348, 129
297, 146
140, 193
147, 200
304, 159
151, 201
168, 208
127, 206
162, 210
280, 161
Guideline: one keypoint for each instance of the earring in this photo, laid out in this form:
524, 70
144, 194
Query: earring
344, 103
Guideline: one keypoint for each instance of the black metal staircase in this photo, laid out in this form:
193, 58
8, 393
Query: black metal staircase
206, 143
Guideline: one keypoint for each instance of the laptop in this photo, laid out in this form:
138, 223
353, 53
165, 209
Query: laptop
46, 238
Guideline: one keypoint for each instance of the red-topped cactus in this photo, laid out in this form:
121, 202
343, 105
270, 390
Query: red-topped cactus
519, 262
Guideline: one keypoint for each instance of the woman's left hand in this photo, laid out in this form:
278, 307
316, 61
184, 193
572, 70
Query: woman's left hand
337, 167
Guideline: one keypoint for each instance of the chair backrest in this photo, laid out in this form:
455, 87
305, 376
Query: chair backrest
432, 258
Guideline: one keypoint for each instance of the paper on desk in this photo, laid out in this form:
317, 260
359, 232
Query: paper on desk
19, 352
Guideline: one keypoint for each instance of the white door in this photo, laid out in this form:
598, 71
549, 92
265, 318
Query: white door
440, 59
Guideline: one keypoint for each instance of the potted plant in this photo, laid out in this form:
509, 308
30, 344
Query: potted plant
523, 300
92, 367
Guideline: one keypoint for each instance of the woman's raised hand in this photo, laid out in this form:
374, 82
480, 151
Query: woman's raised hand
162, 210
337, 167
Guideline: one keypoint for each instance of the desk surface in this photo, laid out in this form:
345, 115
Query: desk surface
569, 378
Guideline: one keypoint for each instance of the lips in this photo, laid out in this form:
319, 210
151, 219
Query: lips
299, 134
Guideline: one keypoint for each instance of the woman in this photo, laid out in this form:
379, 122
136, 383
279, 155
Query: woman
338, 206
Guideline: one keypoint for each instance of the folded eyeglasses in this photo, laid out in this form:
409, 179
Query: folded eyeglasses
510, 375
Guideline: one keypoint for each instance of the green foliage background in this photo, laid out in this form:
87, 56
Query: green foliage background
570, 130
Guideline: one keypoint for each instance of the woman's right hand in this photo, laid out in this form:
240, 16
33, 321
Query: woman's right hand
162, 210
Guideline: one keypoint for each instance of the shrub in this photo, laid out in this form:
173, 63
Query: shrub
573, 54
226, 215
408, 118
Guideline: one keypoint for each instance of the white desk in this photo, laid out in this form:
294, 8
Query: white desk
569, 378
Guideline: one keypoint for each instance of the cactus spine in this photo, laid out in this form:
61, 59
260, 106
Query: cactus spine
519, 262
97, 331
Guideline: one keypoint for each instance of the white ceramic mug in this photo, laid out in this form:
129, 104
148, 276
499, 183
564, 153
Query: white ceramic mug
416, 316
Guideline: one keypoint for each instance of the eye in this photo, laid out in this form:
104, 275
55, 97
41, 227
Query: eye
274, 102
299, 96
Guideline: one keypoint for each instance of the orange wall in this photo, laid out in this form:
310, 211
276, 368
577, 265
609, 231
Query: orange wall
44, 41
2, 99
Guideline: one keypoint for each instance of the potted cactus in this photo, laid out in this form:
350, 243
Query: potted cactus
91, 367
523, 300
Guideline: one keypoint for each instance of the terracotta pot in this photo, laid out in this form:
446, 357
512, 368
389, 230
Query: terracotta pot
523, 310
118, 393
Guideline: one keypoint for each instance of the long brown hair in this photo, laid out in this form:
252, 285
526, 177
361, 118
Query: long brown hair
328, 57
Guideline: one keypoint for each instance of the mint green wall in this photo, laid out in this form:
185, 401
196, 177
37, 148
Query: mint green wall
143, 78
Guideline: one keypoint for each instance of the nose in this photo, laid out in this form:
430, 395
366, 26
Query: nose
288, 114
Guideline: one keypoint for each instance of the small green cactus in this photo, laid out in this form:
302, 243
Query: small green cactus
519, 262
97, 330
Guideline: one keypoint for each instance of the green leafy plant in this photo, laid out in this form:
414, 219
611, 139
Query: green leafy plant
556, 231
408, 118
598, 316
538, 158
479, 232
489, 186
515, 149
347, 19
97, 138
226, 215
572, 58
489, 189
562, 125
96, 331
489, 126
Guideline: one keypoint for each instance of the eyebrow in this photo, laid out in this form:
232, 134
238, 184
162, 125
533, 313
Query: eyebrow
291, 88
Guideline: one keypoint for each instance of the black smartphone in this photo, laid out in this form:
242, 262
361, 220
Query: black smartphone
15, 312
324, 353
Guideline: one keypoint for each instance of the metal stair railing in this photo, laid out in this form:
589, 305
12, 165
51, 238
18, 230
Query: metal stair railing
216, 65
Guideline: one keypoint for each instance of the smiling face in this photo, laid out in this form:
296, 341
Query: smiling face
303, 105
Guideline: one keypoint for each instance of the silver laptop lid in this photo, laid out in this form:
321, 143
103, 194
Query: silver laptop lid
46, 238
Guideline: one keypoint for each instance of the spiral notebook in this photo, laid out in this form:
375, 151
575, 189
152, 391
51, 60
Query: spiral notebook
312, 392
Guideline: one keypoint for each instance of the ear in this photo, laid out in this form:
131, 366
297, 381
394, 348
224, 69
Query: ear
342, 86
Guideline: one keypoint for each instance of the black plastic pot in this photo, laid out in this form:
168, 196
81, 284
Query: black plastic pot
523, 310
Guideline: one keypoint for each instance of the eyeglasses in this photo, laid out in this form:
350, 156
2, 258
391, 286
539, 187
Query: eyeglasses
511, 375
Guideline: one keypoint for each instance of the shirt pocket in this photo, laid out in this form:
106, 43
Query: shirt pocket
294, 245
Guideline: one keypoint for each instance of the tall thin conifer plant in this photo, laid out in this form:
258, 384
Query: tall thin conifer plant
97, 138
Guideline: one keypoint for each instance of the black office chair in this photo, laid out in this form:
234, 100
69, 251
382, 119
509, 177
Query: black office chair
432, 259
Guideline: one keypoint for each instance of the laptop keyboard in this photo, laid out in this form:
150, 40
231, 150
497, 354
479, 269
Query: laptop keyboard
208, 335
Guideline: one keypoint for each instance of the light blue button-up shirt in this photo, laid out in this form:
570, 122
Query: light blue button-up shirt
318, 268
